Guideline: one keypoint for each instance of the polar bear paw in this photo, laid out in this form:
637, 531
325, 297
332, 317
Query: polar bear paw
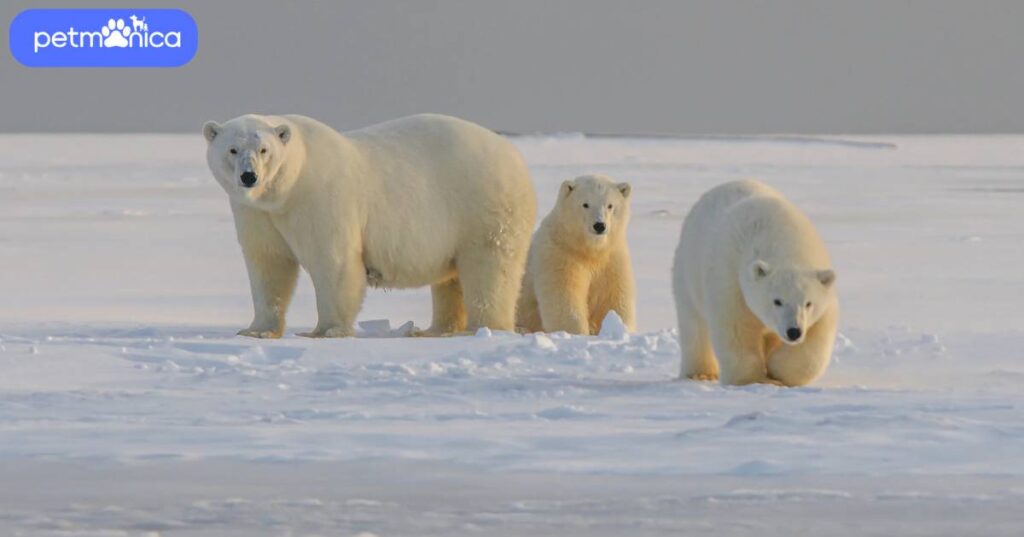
337, 331
334, 331
704, 377
261, 334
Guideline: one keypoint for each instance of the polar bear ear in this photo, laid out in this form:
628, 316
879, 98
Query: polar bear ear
759, 269
567, 187
210, 130
624, 189
283, 132
827, 277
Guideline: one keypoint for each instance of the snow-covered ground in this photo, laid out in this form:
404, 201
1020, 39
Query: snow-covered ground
128, 407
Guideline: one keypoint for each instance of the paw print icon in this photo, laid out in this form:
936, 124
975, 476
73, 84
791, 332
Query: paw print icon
115, 34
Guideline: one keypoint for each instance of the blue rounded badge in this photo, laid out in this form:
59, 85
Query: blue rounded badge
104, 37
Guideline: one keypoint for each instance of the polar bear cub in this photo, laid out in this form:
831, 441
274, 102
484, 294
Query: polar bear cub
753, 287
579, 267
423, 200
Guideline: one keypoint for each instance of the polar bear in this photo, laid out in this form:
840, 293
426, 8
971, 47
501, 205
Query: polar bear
423, 200
579, 267
753, 288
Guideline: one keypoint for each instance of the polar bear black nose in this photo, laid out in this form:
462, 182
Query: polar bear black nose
248, 179
599, 228
793, 333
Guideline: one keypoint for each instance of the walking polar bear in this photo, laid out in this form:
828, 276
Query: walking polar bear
753, 287
579, 267
422, 200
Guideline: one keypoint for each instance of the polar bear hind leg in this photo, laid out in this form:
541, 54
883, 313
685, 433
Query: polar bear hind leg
698, 361
490, 277
449, 309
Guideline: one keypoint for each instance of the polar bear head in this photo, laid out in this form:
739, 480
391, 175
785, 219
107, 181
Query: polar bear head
250, 157
593, 209
788, 300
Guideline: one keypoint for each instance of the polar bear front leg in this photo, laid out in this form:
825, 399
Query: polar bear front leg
562, 299
339, 297
799, 365
740, 359
273, 271
272, 280
737, 338
613, 289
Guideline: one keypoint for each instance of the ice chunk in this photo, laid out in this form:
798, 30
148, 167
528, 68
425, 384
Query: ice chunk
376, 327
404, 330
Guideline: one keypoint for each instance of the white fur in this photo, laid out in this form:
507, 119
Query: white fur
575, 276
743, 246
423, 200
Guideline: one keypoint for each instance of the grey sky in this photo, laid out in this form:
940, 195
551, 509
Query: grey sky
624, 66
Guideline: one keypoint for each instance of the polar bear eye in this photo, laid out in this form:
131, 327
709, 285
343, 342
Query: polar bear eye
609, 206
263, 151
233, 151
778, 303
807, 305
586, 205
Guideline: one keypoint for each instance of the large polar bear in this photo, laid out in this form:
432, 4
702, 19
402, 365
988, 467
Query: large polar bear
753, 287
422, 200
579, 267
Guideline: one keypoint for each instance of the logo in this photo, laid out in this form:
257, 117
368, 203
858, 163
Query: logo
103, 38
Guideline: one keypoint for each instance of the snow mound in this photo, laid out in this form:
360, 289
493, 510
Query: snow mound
613, 328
